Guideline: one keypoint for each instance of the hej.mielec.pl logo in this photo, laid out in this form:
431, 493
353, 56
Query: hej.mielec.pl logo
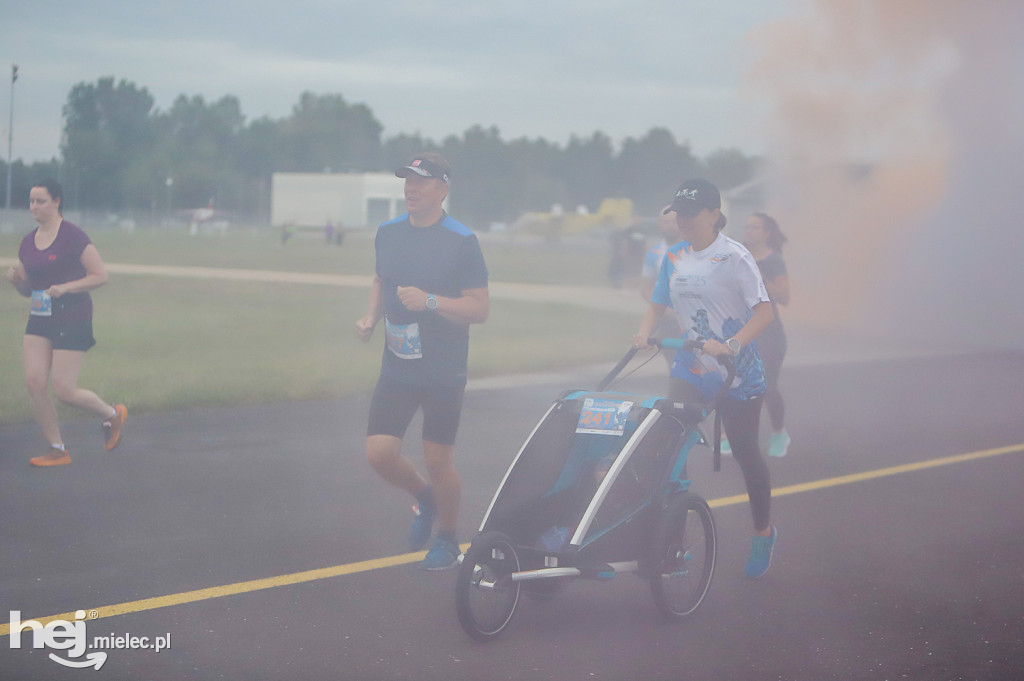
72, 637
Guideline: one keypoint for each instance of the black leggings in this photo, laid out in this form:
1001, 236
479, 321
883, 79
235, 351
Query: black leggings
742, 419
773, 351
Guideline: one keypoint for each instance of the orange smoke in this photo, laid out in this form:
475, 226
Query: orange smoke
857, 98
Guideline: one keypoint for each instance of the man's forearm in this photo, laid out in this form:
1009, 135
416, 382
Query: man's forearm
473, 307
373, 303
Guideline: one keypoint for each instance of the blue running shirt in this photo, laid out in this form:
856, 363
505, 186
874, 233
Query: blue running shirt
713, 293
653, 259
444, 259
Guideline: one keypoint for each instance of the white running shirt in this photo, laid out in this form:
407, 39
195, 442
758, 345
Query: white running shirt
713, 293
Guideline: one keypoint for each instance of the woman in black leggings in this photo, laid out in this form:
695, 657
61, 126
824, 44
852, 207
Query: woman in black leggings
764, 239
713, 285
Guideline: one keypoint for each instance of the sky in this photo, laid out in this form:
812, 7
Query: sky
533, 68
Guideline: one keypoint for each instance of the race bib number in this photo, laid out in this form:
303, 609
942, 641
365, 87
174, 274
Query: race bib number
404, 340
603, 417
42, 304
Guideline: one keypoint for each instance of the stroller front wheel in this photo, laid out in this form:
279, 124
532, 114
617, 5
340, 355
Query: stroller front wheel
485, 595
684, 550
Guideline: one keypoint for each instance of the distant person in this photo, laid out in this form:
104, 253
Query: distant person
58, 265
617, 262
765, 240
636, 250
329, 232
430, 285
628, 251
714, 287
667, 327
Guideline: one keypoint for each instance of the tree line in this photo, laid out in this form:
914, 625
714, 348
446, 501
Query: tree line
119, 153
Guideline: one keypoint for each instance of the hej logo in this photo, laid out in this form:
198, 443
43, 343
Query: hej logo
59, 635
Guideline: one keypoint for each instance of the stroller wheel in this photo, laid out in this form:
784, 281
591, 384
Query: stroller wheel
485, 595
684, 549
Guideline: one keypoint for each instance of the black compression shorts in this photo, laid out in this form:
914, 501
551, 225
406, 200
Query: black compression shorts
395, 403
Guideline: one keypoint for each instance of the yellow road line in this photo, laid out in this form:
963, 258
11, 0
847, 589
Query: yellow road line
871, 475
230, 589
406, 558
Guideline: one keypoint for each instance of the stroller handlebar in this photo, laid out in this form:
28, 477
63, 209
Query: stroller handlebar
689, 345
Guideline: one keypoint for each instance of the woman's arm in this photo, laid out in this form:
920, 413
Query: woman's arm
757, 323
95, 275
778, 289
19, 279
647, 288
647, 324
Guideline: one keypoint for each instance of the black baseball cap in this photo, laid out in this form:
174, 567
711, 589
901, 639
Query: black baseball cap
426, 167
693, 196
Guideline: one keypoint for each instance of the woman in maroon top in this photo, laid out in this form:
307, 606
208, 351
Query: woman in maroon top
58, 267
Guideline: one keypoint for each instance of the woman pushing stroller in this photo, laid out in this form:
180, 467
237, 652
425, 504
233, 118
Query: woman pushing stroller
713, 285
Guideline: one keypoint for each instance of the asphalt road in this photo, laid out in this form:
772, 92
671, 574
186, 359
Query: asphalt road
910, 574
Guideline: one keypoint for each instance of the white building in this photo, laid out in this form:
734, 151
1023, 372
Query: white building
347, 200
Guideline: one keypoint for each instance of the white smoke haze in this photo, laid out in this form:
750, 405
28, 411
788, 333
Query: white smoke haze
896, 157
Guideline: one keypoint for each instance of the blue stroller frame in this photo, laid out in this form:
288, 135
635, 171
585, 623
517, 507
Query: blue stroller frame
598, 489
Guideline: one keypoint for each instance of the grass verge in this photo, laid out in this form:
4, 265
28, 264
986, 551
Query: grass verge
169, 343
516, 260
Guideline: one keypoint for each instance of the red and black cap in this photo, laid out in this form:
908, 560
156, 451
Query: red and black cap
426, 167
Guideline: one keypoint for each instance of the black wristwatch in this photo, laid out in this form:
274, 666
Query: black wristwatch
431, 302
733, 345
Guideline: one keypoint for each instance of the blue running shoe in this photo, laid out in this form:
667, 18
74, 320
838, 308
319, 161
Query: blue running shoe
779, 444
761, 554
423, 523
444, 554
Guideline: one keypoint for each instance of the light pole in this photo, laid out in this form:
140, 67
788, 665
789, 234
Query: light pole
10, 136
170, 186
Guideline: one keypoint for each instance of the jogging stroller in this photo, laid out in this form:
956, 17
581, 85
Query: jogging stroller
597, 490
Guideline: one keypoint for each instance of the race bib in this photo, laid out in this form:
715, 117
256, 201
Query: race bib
404, 340
42, 304
603, 417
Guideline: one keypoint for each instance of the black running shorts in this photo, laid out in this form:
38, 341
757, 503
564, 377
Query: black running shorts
395, 403
62, 336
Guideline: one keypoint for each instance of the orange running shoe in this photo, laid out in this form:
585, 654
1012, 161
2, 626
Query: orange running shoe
53, 457
112, 428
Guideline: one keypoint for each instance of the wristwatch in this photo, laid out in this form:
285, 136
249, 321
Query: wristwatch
733, 345
431, 302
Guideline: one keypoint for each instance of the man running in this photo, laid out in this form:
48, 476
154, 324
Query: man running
430, 285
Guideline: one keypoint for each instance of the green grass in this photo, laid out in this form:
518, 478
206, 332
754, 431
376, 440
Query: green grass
515, 261
167, 343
